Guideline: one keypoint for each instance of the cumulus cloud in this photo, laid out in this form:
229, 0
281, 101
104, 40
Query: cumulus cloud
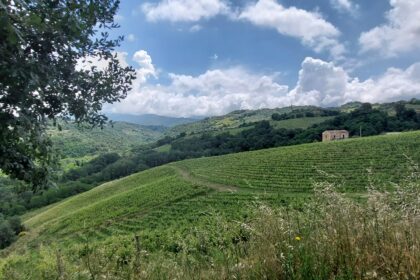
395, 84
400, 34
322, 83
184, 10
345, 6
214, 92
146, 69
220, 91
310, 27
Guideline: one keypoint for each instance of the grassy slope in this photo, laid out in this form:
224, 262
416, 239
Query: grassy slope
163, 202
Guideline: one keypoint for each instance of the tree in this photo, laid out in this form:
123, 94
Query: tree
43, 45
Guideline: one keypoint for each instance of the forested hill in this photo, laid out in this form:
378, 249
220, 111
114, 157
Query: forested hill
236, 119
288, 117
75, 142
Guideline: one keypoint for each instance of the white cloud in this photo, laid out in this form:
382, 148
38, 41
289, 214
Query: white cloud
310, 27
131, 38
147, 69
101, 64
395, 84
345, 6
400, 34
215, 92
184, 10
195, 28
220, 91
322, 83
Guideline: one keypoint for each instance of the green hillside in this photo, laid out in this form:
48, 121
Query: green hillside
294, 168
161, 203
73, 142
235, 119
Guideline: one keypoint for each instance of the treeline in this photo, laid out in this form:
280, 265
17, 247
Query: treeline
260, 135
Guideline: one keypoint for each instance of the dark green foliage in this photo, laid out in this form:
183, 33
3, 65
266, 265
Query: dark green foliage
301, 113
92, 167
41, 45
119, 169
9, 228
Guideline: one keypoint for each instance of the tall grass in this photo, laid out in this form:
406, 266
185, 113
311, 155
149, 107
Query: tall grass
332, 237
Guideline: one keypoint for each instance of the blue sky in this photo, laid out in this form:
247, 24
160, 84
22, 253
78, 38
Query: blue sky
209, 57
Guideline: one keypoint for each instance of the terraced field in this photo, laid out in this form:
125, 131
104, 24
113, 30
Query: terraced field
167, 202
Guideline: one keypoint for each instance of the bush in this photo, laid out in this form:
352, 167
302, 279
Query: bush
9, 229
15, 224
7, 235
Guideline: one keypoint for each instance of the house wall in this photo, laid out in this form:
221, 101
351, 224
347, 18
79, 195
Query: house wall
331, 136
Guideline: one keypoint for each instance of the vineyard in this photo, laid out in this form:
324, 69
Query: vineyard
164, 204
296, 168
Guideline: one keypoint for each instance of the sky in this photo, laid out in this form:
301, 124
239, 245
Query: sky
210, 57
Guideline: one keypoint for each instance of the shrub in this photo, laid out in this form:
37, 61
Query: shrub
7, 235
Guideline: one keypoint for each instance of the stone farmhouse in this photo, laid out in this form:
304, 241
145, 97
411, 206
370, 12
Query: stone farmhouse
333, 135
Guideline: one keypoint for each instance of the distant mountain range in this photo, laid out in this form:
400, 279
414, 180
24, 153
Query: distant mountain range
151, 119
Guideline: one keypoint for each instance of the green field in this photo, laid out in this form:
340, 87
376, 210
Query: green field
299, 123
164, 204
